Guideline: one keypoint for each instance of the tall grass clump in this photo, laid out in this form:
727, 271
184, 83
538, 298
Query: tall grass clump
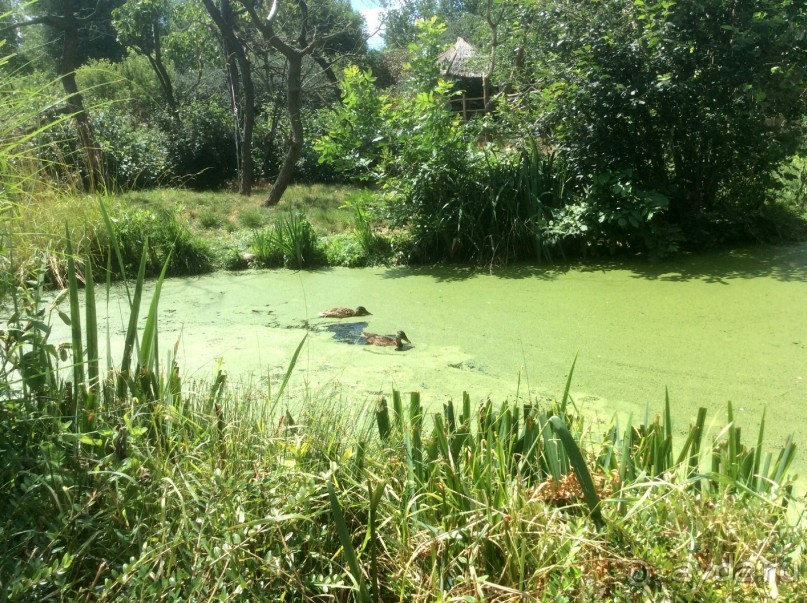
361, 246
167, 237
22, 146
291, 242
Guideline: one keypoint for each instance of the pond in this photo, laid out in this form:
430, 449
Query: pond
711, 328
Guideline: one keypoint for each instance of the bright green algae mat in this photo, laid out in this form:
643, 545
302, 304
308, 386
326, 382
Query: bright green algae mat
712, 328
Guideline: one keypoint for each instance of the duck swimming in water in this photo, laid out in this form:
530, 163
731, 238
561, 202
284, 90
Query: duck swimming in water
386, 340
344, 312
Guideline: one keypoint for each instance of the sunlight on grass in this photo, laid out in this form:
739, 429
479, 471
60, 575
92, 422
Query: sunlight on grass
222, 220
212, 211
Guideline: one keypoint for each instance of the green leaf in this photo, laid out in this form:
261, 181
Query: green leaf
347, 544
580, 468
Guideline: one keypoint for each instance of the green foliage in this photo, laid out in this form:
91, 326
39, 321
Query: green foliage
351, 143
697, 101
263, 245
460, 200
613, 215
127, 87
209, 219
461, 18
201, 148
96, 37
298, 242
168, 241
251, 217
135, 154
309, 168
142, 25
345, 249
423, 68
791, 182
290, 242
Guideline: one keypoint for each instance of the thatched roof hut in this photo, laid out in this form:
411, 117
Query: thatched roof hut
459, 61
462, 64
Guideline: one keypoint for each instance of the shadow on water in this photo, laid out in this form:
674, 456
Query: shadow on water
449, 274
345, 332
786, 263
351, 333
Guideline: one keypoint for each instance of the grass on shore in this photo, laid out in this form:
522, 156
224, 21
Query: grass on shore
214, 230
220, 495
221, 213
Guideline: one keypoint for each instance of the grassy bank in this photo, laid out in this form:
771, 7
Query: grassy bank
314, 225
128, 483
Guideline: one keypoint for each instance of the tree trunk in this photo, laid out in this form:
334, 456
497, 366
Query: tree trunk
243, 90
75, 102
159, 68
294, 102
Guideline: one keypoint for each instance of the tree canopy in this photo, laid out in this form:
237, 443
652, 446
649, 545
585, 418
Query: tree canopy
659, 118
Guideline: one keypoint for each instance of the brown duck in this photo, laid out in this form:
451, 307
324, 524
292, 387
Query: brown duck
386, 340
344, 312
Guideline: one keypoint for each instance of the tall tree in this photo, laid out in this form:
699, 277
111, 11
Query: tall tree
141, 26
85, 32
306, 37
242, 88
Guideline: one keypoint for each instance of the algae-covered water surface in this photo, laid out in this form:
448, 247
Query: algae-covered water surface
727, 326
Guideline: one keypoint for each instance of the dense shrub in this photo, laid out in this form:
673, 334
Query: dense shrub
698, 99
127, 87
201, 147
345, 249
135, 154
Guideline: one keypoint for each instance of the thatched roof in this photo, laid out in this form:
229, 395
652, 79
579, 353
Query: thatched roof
458, 61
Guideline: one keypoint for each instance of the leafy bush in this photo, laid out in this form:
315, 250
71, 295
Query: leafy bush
699, 100
345, 249
135, 154
791, 183
350, 143
201, 147
128, 87
616, 215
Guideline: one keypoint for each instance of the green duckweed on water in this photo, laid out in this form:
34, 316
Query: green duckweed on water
713, 328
